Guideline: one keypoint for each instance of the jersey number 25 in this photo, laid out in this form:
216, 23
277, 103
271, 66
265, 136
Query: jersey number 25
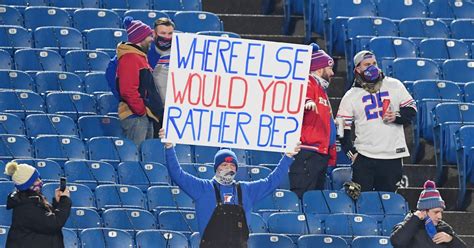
373, 109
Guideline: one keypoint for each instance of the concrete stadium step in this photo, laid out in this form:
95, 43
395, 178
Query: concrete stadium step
450, 196
458, 221
418, 173
258, 24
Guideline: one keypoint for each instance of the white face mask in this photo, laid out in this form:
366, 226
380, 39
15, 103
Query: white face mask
225, 176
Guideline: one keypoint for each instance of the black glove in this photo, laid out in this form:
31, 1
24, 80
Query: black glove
352, 189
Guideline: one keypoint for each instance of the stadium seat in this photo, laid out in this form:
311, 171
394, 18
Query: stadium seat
125, 4
338, 201
83, 218
26, 2
14, 147
6, 187
469, 92
3, 176
351, 225
70, 238
257, 172
107, 104
464, 147
219, 34
3, 235
10, 15
20, 103
152, 150
372, 242
167, 5
15, 80
389, 222
49, 170
263, 157
314, 202
81, 195
257, 224
315, 222
160, 238
369, 203
321, 240
85, 19
242, 156
95, 38
86, 60
143, 175
399, 9
5, 60
128, 219
75, 3
112, 150
390, 48
96, 83
442, 49
195, 240
442, 9
48, 81
412, 69
205, 171
146, 16
464, 10
168, 198
393, 203
99, 125
293, 8
37, 59
339, 176
90, 173
196, 21
40, 16
192, 5
59, 148
45, 124
11, 124
273, 240
204, 154
279, 201
290, 224
462, 29
72, 104
61, 39
105, 238
14, 37
178, 220
423, 27
184, 153
119, 196
5, 216
458, 70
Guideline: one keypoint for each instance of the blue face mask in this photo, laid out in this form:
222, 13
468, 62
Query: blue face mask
371, 74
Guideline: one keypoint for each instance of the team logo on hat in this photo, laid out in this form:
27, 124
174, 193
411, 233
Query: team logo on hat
229, 159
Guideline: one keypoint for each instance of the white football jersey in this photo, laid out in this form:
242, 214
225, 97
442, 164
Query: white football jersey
375, 138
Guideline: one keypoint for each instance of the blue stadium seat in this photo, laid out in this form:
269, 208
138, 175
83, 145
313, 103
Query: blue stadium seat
178, 220
72, 104
290, 224
423, 27
49, 170
321, 240
81, 195
314, 203
40, 16
243, 174
85, 19
204, 154
105, 238
107, 104
315, 222
90, 173
160, 238
259, 240
5, 216
61, 39
15, 80
469, 92
11, 124
442, 9
95, 38
458, 70
128, 219
167, 5
75, 3
14, 147
44, 124
369, 203
465, 165
112, 150
462, 29
14, 37
263, 157
6, 187
339, 201
464, 10
202, 171
3, 176
82, 218
59, 148
38, 59
293, 8
168, 197
399, 9
441, 49
10, 15
184, 153
196, 21
279, 201
393, 203
3, 235
142, 174
96, 83
257, 224
339, 176
26, 2
152, 150
146, 16
390, 48
20, 103
351, 225
195, 240
242, 156
389, 222
99, 125
257, 172
5, 60
119, 196
70, 238
48, 81
219, 34
372, 242
125, 4
412, 69
192, 5
86, 60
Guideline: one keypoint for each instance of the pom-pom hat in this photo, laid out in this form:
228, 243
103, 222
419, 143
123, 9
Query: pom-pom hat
23, 175
137, 31
430, 197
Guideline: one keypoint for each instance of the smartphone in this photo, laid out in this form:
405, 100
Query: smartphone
62, 184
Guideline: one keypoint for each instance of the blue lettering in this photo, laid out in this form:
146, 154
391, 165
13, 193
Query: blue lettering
264, 125
247, 63
296, 62
283, 61
173, 114
232, 56
262, 59
224, 126
239, 126
221, 54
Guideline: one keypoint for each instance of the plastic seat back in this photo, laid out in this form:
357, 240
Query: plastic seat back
40, 16
49, 81
195, 21
11, 124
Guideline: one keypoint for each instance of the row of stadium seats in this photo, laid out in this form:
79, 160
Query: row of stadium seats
85, 19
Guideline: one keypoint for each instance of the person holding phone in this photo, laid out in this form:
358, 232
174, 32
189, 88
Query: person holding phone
35, 222
425, 227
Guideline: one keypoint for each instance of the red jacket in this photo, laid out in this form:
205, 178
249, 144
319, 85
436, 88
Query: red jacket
316, 124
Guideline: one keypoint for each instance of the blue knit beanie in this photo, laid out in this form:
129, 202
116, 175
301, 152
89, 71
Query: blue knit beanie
225, 155
430, 197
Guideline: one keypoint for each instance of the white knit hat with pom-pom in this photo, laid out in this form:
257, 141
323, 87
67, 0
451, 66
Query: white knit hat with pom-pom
23, 175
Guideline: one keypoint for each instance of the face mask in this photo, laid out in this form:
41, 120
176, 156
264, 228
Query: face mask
37, 186
370, 79
163, 43
225, 177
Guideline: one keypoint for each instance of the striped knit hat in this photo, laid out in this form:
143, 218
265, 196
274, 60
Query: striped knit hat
137, 31
430, 197
319, 58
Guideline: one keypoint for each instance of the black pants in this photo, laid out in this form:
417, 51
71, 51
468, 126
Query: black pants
377, 174
308, 172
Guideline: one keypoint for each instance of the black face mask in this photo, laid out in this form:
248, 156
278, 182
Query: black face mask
163, 43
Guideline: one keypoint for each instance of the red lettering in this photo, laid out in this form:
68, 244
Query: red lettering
189, 88
216, 77
218, 94
283, 99
231, 87
299, 100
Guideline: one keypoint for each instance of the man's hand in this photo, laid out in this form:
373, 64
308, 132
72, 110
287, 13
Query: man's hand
442, 237
310, 106
161, 134
389, 117
58, 193
420, 214
296, 150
